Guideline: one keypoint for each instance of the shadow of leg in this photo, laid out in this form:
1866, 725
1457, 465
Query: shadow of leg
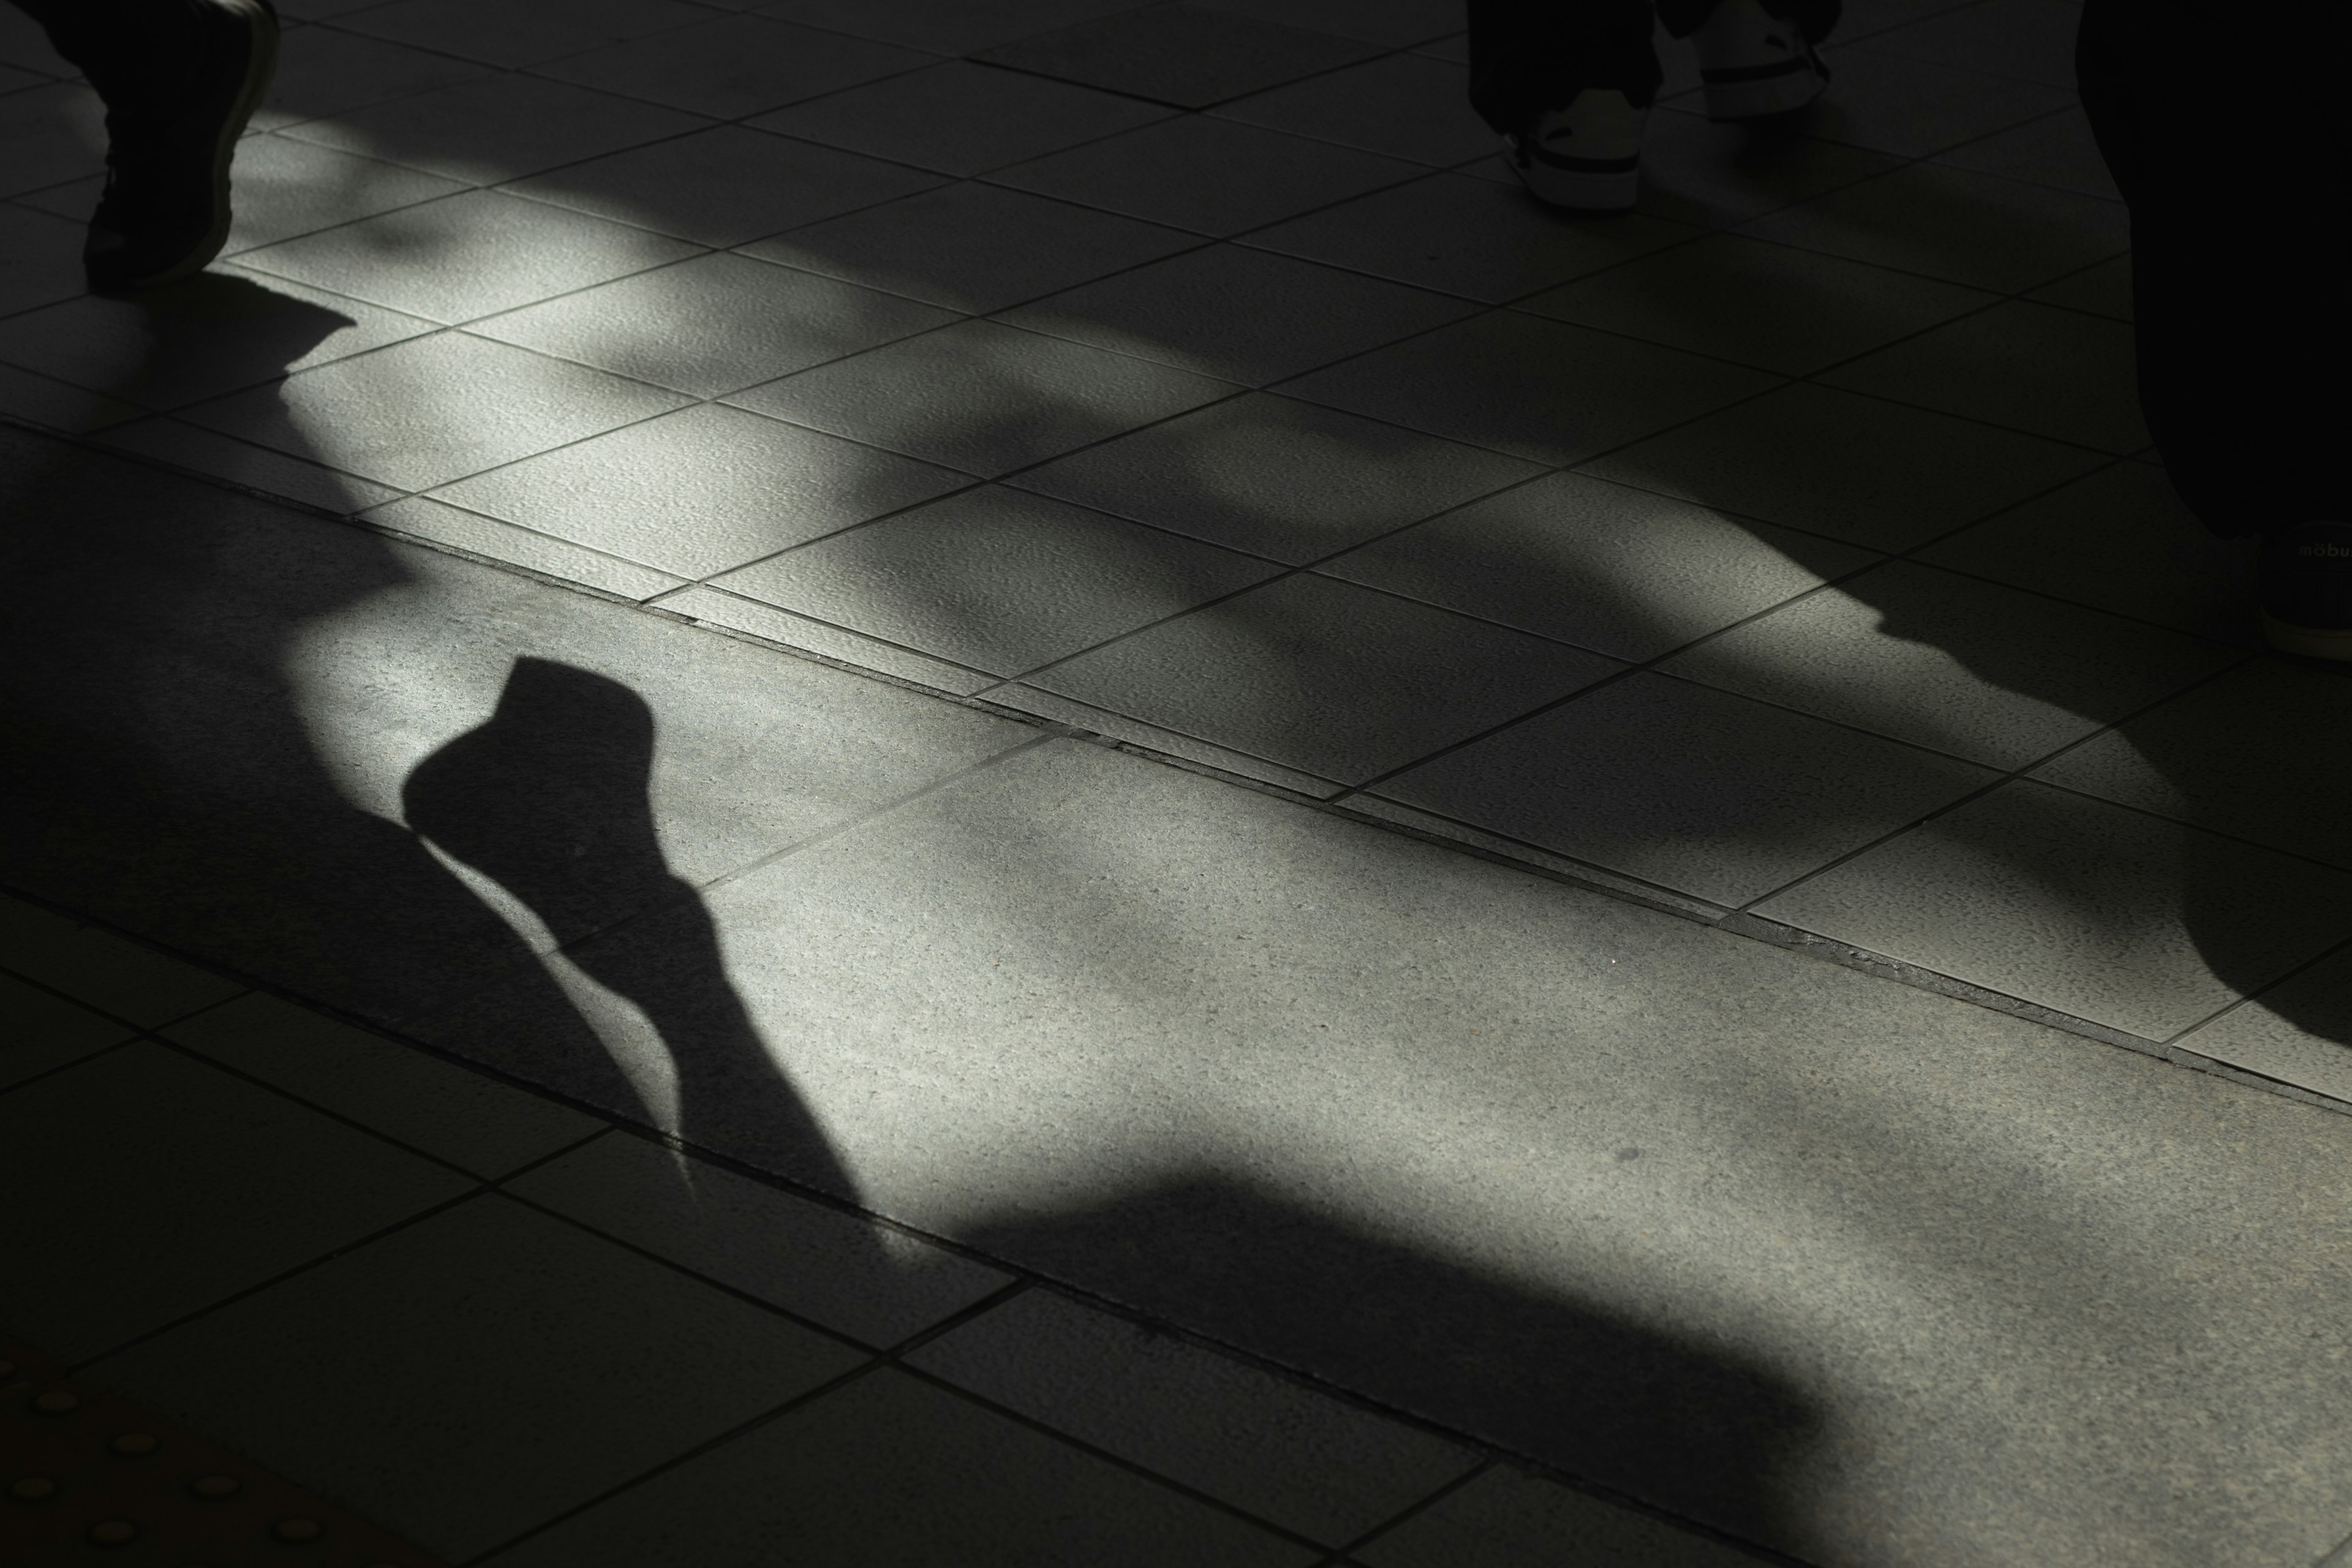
550, 799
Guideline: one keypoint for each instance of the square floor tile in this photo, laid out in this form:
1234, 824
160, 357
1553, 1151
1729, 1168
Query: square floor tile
1506, 1517
466, 256
1468, 236
894, 1471
1244, 315
473, 1121
285, 188
946, 27
725, 185
2104, 290
1540, 390
144, 1186
1892, 103
1275, 1448
49, 403
327, 70
714, 324
497, 128
1953, 663
40, 1032
735, 66
1212, 176
465, 1379
2260, 754
702, 490
1687, 787
106, 972
1392, 23
834, 1268
214, 333
2299, 1031
962, 118
1405, 106
1185, 55
1972, 228
434, 409
1770, 306
1854, 467
2109, 914
996, 579
2121, 541
489, 539
1134, 735
519, 32
40, 259
799, 633
54, 132
2029, 367
982, 397
1621, 571
1276, 477
2030, 39
974, 247
1326, 676
2056, 149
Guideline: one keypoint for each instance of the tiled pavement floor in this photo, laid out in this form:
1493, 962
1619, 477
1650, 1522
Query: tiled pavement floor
1786, 555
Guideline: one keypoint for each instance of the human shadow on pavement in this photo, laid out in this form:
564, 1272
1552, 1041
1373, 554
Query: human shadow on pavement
159, 738
1702, 1431
549, 798
162, 745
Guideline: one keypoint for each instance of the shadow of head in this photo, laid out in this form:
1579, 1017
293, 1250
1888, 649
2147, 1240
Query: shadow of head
550, 797
1701, 1430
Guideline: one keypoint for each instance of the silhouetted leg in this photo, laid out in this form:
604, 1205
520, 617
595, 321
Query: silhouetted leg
180, 79
549, 799
1527, 56
2226, 138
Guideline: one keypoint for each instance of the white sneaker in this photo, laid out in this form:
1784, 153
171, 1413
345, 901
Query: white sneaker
1582, 157
1755, 64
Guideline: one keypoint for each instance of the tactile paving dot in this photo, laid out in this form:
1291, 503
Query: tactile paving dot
90, 1478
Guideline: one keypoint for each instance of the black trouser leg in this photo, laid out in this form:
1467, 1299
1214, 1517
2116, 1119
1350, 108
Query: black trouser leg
1527, 56
2229, 145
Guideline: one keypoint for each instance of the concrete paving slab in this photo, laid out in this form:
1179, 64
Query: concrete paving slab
461, 1380
1280, 1451
474, 1122
841, 1270
144, 1186
1276, 477
2102, 913
962, 119
892, 1469
46, 1031
1862, 1273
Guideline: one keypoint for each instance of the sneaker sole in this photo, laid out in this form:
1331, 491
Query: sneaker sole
2308, 642
260, 66
1781, 89
1579, 184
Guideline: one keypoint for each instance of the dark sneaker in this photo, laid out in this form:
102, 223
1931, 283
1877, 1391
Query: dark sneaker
1585, 157
1755, 65
2306, 590
165, 212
